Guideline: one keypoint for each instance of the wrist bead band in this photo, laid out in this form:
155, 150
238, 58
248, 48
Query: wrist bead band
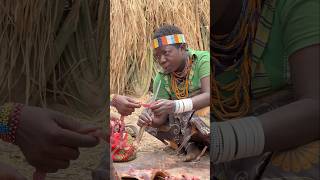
225, 139
239, 138
260, 136
183, 105
214, 142
232, 142
5, 112
9, 119
113, 99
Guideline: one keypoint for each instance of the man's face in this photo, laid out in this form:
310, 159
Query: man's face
168, 57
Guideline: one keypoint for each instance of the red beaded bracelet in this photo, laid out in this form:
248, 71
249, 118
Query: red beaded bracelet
14, 121
114, 100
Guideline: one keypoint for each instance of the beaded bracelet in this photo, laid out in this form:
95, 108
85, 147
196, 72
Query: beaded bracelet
183, 105
9, 119
113, 100
214, 153
241, 138
237, 139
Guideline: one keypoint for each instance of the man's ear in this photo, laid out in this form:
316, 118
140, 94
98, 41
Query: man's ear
183, 47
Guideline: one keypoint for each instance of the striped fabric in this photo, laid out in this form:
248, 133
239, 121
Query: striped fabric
261, 83
170, 39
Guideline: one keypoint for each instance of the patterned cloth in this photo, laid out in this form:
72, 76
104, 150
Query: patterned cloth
179, 127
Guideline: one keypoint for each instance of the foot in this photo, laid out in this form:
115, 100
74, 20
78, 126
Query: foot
192, 152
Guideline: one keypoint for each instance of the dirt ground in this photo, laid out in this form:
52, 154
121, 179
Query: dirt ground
154, 155
80, 169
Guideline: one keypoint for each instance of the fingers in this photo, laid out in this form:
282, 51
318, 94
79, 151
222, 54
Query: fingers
148, 118
99, 134
141, 123
63, 153
144, 120
75, 139
134, 103
52, 165
125, 112
89, 129
93, 131
69, 123
160, 104
47, 164
159, 112
70, 132
159, 108
157, 104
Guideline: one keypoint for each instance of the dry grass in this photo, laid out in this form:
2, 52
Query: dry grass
132, 25
53, 51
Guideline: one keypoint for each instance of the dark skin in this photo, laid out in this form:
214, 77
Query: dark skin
296, 123
282, 124
49, 140
173, 59
125, 105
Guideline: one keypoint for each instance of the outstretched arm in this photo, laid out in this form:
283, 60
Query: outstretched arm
297, 123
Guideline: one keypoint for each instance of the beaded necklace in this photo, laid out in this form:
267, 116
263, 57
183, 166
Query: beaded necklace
177, 78
233, 52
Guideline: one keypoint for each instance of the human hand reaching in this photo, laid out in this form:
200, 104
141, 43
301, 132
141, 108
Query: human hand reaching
125, 105
49, 139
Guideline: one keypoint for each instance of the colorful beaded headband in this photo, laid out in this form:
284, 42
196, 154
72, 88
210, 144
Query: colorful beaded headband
170, 39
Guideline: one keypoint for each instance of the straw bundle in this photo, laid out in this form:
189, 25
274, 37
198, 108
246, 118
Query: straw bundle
132, 25
54, 52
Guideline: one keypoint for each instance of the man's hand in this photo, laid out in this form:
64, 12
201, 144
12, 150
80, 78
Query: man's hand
49, 140
125, 105
145, 119
163, 107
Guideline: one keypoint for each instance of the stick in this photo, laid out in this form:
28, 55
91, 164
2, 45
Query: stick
201, 154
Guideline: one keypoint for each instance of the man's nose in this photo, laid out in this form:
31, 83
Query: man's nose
162, 59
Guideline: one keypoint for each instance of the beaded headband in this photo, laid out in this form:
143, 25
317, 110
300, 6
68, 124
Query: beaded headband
170, 39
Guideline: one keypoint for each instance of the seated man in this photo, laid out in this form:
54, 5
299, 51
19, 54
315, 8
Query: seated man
181, 87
